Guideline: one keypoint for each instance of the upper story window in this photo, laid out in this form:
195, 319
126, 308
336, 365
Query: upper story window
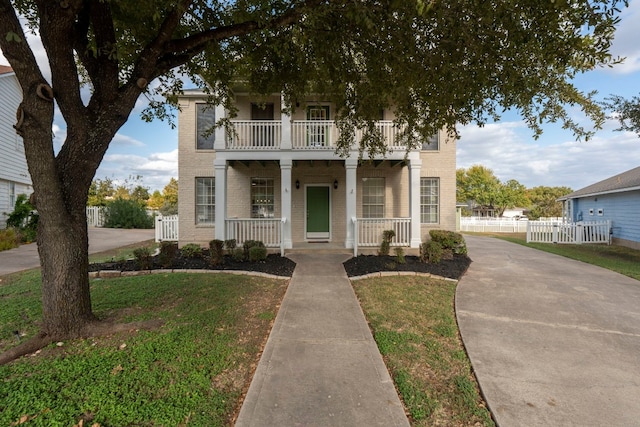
205, 121
262, 197
373, 197
432, 143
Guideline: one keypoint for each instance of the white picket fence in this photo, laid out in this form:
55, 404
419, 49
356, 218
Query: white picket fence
493, 225
95, 216
166, 228
569, 232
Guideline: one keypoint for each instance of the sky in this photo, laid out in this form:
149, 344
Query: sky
150, 150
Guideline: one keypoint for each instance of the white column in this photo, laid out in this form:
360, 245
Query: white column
220, 167
285, 144
219, 141
351, 166
285, 195
414, 201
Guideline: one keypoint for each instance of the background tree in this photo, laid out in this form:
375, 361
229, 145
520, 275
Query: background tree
511, 194
437, 64
481, 188
100, 191
626, 111
140, 194
544, 201
156, 200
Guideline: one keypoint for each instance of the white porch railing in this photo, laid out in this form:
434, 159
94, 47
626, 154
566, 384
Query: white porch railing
255, 135
166, 228
574, 233
313, 134
369, 231
268, 231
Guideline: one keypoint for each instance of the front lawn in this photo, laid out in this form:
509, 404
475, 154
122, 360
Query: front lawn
192, 370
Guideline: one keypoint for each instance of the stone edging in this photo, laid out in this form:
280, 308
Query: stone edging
401, 273
110, 274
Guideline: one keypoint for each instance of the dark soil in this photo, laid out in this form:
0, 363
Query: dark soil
365, 264
283, 266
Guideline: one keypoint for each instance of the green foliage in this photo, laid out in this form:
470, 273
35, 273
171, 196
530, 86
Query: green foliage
216, 251
9, 239
143, 258
238, 254
248, 244
400, 255
431, 252
257, 253
100, 191
387, 236
230, 244
544, 201
420, 405
168, 253
625, 111
24, 219
191, 250
481, 187
123, 213
450, 240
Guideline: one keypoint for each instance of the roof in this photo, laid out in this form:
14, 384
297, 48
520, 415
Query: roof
625, 181
4, 69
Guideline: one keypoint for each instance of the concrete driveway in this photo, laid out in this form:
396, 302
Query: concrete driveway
100, 240
553, 342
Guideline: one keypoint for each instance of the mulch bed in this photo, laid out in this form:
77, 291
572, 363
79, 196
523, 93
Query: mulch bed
283, 266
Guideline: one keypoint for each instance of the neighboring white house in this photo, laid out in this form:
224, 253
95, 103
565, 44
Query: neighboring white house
14, 176
277, 178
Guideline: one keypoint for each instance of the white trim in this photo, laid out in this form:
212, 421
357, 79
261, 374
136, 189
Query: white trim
309, 237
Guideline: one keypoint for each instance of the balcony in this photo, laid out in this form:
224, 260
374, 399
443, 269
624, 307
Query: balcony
304, 135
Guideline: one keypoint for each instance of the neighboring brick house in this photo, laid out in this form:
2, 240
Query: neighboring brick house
277, 179
14, 175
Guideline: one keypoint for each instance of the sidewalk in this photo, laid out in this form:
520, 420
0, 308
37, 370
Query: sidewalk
553, 341
26, 257
321, 366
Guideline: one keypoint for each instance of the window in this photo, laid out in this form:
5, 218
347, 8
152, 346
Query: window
12, 195
205, 121
432, 143
205, 201
429, 200
262, 197
373, 198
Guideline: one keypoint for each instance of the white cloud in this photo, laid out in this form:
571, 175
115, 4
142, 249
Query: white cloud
124, 140
574, 164
625, 43
156, 169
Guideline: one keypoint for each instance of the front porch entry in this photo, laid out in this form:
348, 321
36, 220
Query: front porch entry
318, 212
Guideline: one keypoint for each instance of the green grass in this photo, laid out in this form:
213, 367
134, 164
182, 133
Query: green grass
191, 371
616, 258
413, 323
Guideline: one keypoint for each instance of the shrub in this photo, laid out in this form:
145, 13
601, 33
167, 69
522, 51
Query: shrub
122, 213
450, 240
9, 239
385, 246
230, 245
431, 252
400, 256
238, 255
216, 251
24, 219
168, 252
191, 250
248, 244
143, 258
257, 253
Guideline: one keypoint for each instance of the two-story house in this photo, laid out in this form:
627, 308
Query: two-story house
276, 177
14, 175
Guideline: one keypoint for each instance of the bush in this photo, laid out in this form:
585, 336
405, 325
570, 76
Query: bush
248, 244
9, 239
230, 245
257, 253
385, 246
24, 219
400, 256
168, 252
143, 258
191, 250
238, 255
431, 252
122, 213
450, 240
216, 251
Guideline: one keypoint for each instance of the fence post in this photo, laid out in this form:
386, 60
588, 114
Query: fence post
579, 233
158, 228
554, 234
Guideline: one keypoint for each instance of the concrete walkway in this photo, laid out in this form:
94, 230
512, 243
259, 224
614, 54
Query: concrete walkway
553, 342
321, 366
26, 257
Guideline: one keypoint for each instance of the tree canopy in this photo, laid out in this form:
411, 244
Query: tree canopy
436, 64
544, 201
625, 111
479, 186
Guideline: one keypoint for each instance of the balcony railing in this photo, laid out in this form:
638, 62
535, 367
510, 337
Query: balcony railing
305, 135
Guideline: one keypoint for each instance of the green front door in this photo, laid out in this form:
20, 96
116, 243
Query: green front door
318, 213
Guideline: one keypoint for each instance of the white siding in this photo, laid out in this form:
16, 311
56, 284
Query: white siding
13, 165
